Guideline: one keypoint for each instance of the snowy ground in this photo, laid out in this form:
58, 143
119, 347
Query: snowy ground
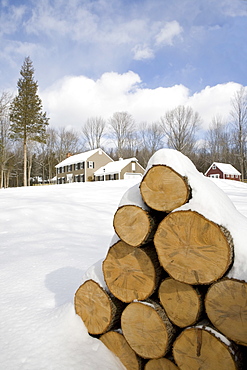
50, 236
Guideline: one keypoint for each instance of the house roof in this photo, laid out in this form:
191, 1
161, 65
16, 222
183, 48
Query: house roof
81, 157
114, 167
226, 168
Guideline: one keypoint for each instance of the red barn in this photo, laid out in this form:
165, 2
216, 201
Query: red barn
223, 171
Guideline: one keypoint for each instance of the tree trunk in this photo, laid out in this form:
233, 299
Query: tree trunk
160, 364
1, 179
134, 225
131, 273
25, 162
117, 343
147, 329
163, 189
98, 310
226, 307
182, 302
203, 348
192, 249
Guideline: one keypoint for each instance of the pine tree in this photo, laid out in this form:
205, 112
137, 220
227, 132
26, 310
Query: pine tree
28, 122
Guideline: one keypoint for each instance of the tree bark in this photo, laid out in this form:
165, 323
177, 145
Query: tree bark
25, 162
182, 302
226, 307
117, 343
131, 273
163, 189
202, 348
147, 329
98, 310
134, 225
193, 249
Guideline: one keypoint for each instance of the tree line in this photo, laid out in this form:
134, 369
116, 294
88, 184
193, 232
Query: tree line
30, 148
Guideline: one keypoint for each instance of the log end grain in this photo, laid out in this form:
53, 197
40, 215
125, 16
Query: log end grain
160, 364
133, 225
147, 329
131, 273
182, 302
196, 348
193, 249
116, 343
163, 189
96, 308
226, 307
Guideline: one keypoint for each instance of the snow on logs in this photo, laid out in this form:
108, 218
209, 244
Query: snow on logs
179, 257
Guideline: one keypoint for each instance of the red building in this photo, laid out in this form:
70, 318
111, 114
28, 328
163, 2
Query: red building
223, 171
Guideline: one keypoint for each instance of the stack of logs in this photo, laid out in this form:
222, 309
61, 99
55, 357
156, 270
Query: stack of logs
167, 303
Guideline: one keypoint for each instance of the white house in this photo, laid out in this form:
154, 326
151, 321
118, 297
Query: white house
122, 169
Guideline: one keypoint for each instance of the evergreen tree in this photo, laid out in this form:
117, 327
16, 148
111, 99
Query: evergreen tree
28, 122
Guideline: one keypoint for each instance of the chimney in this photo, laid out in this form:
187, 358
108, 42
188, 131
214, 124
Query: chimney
68, 155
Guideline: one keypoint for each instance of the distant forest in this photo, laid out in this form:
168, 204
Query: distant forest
121, 136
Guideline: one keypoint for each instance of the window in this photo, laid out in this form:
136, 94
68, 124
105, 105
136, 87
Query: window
82, 178
133, 166
70, 168
81, 165
90, 164
213, 167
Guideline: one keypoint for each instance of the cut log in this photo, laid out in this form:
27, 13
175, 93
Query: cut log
134, 225
147, 329
163, 189
116, 343
193, 249
226, 307
131, 273
182, 302
98, 310
160, 364
201, 348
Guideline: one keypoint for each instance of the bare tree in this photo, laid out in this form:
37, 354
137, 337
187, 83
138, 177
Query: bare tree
151, 137
69, 141
239, 124
180, 126
122, 131
6, 144
218, 141
93, 131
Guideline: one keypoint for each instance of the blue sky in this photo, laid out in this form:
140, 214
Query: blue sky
133, 47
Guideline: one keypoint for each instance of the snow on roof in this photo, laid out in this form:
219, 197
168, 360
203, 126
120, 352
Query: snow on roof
114, 167
81, 157
226, 168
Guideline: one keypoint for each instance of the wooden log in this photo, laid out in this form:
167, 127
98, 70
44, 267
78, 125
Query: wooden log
193, 249
134, 225
160, 364
147, 329
131, 273
226, 307
163, 189
182, 302
203, 348
116, 343
97, 308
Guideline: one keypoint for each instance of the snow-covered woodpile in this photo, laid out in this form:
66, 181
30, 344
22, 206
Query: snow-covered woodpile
174, 293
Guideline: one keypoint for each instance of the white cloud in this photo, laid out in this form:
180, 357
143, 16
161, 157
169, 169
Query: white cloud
168, 33
72, 100
142, 52
214, 101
